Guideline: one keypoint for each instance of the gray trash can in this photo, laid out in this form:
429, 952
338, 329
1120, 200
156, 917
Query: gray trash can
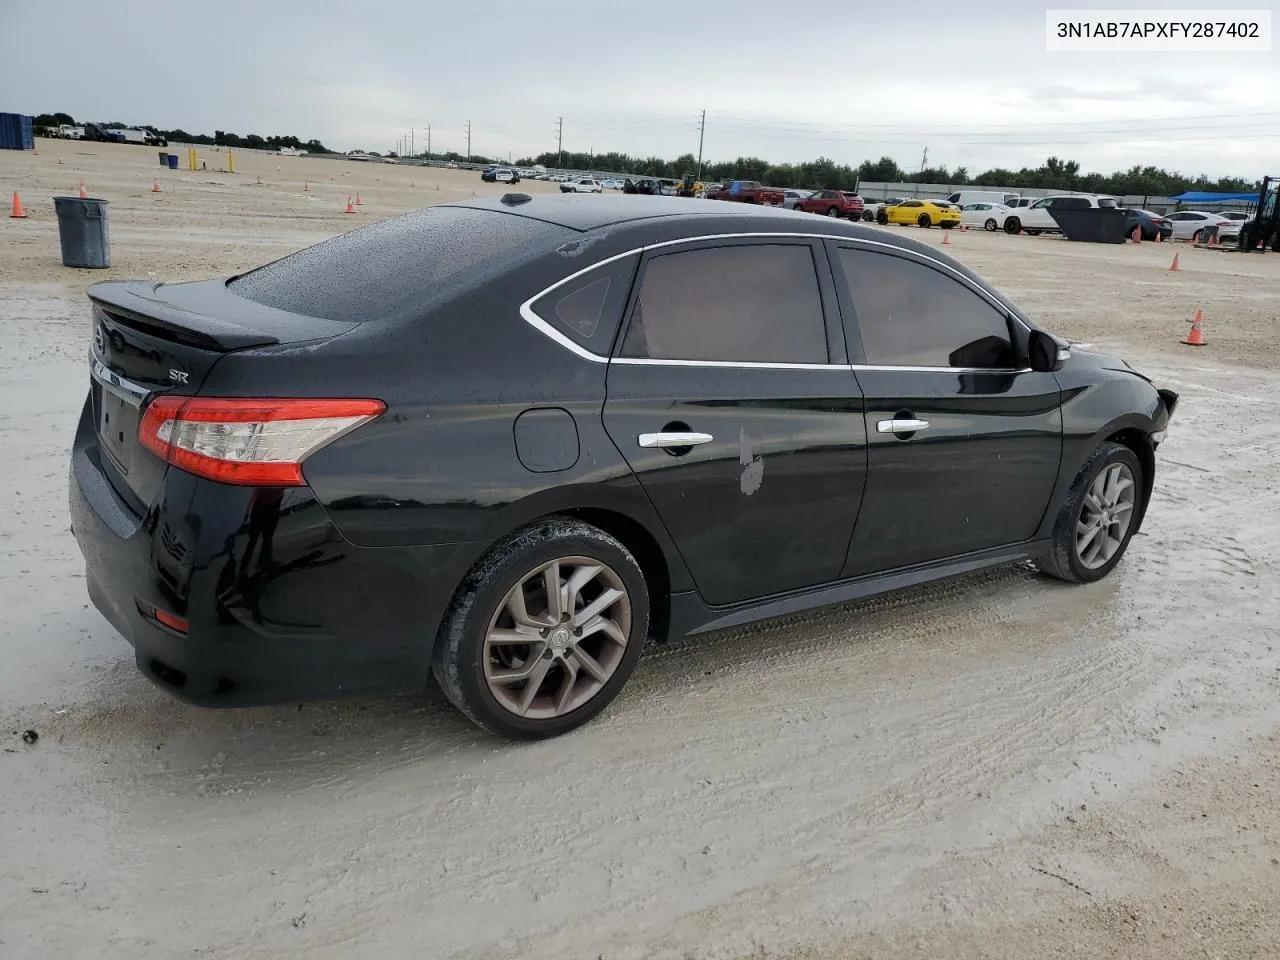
82, 230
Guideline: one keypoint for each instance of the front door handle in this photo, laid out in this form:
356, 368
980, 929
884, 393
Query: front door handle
901, 425
667, 440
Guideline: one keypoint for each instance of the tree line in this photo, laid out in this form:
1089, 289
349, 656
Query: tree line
252, 141
825, 173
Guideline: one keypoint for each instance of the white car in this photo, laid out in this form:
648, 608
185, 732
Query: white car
988, 216
582, 185
1187, 224
792, 197
1037, 218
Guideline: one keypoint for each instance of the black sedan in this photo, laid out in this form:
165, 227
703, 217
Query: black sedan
1151, 225
504, 442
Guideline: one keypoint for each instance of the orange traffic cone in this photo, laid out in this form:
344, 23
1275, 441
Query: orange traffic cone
1196, 337
359, 202
1174, 265
84, 194
156, 187
1159, 237
946, 238
350, 208
18, 212
1136, 236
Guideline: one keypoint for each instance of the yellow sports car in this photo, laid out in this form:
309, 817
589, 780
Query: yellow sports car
923, 213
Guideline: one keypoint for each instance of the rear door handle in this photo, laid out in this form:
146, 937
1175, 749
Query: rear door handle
669, 440
901, 425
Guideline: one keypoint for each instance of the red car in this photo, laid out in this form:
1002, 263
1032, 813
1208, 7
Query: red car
833, 203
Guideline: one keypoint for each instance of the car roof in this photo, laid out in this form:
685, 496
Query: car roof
681, 216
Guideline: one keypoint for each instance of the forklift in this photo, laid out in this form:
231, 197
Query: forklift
1263, 231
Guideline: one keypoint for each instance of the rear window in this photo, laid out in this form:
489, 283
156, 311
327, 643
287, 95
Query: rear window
393, 269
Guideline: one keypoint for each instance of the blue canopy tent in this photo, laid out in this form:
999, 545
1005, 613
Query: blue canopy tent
1205, 197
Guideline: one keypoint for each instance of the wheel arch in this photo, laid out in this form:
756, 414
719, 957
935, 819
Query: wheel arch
1138, 440
625, 514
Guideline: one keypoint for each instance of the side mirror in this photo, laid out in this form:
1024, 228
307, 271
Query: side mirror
1046, 355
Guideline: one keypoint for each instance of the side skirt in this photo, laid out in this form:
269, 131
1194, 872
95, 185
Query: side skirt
689, 615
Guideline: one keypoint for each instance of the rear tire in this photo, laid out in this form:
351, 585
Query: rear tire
924, 221
1091, 535
484, 677
882, 218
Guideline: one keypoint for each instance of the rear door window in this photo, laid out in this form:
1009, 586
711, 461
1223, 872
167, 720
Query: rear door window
751, 303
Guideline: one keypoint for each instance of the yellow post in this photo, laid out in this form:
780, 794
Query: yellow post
191, 158
231, 162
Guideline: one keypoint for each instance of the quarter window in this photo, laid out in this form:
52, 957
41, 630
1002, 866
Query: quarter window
911, 314
755, 303
588, 308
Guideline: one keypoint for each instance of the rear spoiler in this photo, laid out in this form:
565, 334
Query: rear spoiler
207, 314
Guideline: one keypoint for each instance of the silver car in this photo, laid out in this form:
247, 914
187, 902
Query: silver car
793, 196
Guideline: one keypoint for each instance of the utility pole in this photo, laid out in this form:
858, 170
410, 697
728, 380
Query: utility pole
560, 140
411, 141
468, 139
702, 129
428, 141
924, 160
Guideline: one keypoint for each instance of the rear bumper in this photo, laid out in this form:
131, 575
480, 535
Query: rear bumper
279, 606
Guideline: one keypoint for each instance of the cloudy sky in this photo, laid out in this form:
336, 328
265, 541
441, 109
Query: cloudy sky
970, 81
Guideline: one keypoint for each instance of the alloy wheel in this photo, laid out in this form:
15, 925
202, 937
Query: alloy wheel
557, 638
1105, 516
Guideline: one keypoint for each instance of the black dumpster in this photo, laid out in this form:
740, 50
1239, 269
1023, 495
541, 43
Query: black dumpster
82, 231
1091, 224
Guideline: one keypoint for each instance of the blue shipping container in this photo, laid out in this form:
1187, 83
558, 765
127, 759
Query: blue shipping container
16, 132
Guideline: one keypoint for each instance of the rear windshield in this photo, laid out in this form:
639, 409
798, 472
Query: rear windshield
392, 269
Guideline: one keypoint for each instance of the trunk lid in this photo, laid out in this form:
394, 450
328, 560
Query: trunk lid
153, 339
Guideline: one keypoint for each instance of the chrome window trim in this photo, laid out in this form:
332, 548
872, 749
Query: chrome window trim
546, 329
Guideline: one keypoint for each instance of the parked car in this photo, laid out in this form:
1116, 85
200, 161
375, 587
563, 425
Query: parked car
582, 185
747, 191
988, 216
1036, 218
1151, 225
923, 213
963, 198
411, 502
871, 211
789, 197
1187, 224
832, 203
499, 175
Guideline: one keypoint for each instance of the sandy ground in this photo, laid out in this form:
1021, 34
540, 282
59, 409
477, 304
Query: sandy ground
999, 766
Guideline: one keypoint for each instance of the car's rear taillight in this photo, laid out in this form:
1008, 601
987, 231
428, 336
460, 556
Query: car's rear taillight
251, 442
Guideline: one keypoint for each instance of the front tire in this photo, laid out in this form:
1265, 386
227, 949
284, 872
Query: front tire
1098, 518
1012, 225
528, 660
991, 226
